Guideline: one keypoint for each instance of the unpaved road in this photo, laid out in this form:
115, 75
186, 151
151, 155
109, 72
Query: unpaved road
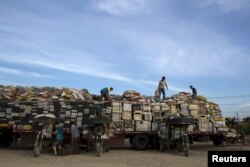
117, 157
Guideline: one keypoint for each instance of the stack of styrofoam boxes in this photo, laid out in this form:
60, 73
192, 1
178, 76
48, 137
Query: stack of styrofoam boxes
142, 118
108, 112
9, 113
127, 117
68, 113
205, 125
117, 116
137, 112
202, 108
194, 112
156, 112
74, 112
173, 110
146, 114
63, 110
184, 111
140, 124
86, 114
79, 118
220, 124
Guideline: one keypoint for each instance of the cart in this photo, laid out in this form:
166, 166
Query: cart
173, 134
97, 135
43, 138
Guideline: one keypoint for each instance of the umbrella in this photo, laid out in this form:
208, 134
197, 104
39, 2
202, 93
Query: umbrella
45, 118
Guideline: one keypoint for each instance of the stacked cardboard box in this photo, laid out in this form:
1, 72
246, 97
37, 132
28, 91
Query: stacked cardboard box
139, 115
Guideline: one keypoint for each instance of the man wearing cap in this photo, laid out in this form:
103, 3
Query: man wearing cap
105, 93
161, 87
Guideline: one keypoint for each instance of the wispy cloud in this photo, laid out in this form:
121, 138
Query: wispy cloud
10, 71
13, 71
89, 68
246, 104
226, 5
120, 7
39, 75
187, 49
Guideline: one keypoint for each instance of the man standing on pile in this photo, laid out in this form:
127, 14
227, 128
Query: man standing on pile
105, 93
193, 91
75, 138
161, 87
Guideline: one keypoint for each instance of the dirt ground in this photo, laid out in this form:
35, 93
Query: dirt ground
116, 157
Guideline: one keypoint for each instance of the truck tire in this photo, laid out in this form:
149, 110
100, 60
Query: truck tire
155, 143
224, 143
216, 143
131, 141
6, 138
140, 142
162, 146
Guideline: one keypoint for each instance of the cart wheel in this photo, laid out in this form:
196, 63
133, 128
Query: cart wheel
243, 140
37, 150
162, 146
99, 149
155, 143
224, 143
216, 143
186, 150
99, 129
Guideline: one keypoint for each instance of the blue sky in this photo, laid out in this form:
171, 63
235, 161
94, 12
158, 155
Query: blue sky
130, 44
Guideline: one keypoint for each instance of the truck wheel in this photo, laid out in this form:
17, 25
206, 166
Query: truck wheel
162, 146
140, 142
186, 150
131, 141
6, 138
224, 143
216, 143
155, 143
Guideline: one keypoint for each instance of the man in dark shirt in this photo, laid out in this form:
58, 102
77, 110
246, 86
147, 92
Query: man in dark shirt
193, 91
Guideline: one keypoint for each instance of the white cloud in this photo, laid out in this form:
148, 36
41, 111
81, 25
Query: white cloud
120, 7
226, 5
12, 71
186, 49
78, 65
38, 75
246, 104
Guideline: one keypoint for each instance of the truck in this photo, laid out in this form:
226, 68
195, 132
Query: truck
138, 121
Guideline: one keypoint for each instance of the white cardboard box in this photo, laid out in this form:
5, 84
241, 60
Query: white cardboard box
116, 116
143, 126
116, 109
116, 104
147, 116
127, 107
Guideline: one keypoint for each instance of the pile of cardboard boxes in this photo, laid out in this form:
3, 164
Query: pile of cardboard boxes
128, 116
